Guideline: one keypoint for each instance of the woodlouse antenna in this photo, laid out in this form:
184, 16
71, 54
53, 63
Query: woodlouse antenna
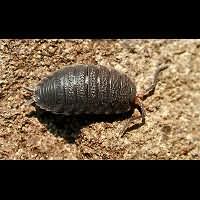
139, 105
149, 91
125, 126
142, 96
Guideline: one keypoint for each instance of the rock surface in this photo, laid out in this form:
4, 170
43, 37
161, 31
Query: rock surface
172, 129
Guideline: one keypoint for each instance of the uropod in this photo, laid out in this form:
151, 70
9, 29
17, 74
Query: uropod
91, 89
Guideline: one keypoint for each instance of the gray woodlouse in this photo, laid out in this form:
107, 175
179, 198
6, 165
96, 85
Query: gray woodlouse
90, 89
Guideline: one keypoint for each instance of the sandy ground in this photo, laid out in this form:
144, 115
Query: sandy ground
172, 129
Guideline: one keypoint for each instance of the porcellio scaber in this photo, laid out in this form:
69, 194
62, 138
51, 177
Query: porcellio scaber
90, 89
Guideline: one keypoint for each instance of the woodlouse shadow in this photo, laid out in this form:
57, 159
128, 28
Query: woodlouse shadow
69, 127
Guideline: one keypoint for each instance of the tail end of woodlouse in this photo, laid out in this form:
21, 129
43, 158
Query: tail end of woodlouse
30, 101
31, 90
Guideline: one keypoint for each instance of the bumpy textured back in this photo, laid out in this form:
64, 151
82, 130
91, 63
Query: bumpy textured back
86, 89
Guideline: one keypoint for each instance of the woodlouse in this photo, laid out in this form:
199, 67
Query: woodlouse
90, 89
